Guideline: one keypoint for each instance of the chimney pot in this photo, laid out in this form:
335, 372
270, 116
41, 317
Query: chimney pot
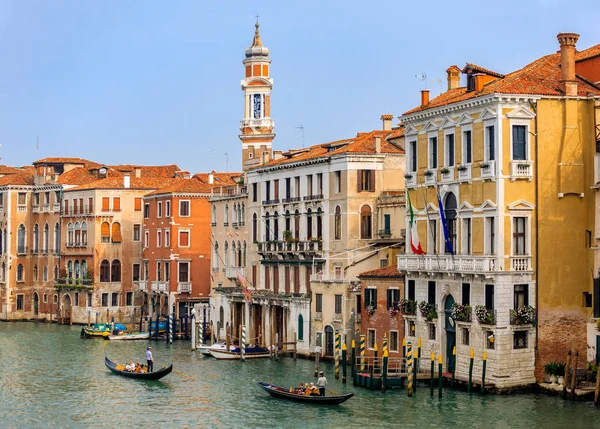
211, 178
453, 77
568, 82
387, 122
479, 80
424, 97
377, 144
126, 181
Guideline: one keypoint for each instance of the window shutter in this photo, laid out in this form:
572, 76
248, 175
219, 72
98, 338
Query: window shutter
66, 206
596, 298
90, 205
138, 204
105, 230
105, 203
374, 298
117, 204
359, 180
116, 232
184, 238
372, 181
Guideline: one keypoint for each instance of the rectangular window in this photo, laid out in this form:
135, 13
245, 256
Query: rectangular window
393, 296
167, 238
146, 239
167, 265
432, 237
184, 238
20, 302
104, 300
319, 302
466, 294
411, 328
116, 204
433, 155
159, 209
466, 232
371, 297
297, 185
519, 243
465, 336
588, 300
411, 290
366, 180
412, 163
319, 183
276, 189
184, 208
288, 188
90, 205
158, 238
146, 211
129, 299
89, 299
449, 155
358, 304
520, 339
491, 143
184, 272
432, 332
393, 343
76, 301
254, 192
490, 242
115, 299
431, 292
136, 272
146, 270
371, 339
519, 149
338, 182
521, 295
137, 204
167, 208
309, 185
137, 232
338, 304
489, 297
467, 147
489, 340
22, 198
105, 204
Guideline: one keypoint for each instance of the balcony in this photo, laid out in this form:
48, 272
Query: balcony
232, 272
270, 202
142, 285
313, 197
447, 174
74, 284
488, 170
290, 246
21, 207
464, 173
520, 263
79, 211
184, 287
411, 180
291, 200
160, 287
329, 278
337, 318
521, 170
35, 208
56, 208
447, 263
430, 177
384, 233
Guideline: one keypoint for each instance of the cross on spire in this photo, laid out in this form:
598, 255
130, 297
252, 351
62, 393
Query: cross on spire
257, 18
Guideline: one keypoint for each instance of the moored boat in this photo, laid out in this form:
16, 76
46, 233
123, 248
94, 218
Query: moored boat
280, 392
129, 336
101, 330
235, 353
218, 346
154, 375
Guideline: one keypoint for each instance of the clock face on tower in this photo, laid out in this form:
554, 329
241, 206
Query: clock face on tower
257, 106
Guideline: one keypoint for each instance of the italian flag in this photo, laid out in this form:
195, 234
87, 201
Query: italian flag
415, 244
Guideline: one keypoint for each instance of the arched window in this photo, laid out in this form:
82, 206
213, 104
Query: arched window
276, 226
83, 269
116, 232
319, 223
226, 254
45, 273
309, 224
300, 327
20, 273
254, 226
244, 255
35, 273
105, 232
337, 223
288, 223
239, 255
243, 214
297, 224
84, 233
36, 238
221, 315
3, 272
56, 238
115, 271
104, 271
77, 272
213, 218
226, 215
450, 212
20, 239
70, 269
267, 227
365, 222
233, 250
1, 242
77, 233
56, 273
46, 238
70, 235
215, 258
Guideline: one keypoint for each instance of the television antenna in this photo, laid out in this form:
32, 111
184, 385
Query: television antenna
301, 128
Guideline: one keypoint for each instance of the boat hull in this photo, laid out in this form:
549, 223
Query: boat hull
280, 392
236, 355
155, 375
129, 337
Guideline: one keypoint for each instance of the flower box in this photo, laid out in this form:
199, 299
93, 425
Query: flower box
461, 313
407, 307
524, 315
484, 315
428, 311
428, 173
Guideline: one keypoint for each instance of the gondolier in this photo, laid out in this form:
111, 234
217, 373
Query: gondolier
149, 359
321, 383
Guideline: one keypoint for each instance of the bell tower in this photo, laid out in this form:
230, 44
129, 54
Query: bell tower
257, 126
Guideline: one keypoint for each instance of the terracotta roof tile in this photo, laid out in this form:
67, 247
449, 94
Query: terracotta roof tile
135, 183
389, 271
77, 176
453, 68
5, 170
541, 77
476, 68
57, 160
166, 171
588, 53
23, 178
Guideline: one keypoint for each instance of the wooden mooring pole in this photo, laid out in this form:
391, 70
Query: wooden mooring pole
432, 373
384, 371
483, 373
344, 353
567, 369
415, 366
353, 359
409, 383
453, 366
597, 392
440, 379
472, 357
338, 339
574, 377
317, 353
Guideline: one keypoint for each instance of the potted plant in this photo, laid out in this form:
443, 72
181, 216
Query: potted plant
393, 312
484, 316
428, 173
551, 369
408, 176
287, 235
484, 164
427, 311
445, 170
370, 310
461, 167
406, 306
524, 315
560, 372
461, 313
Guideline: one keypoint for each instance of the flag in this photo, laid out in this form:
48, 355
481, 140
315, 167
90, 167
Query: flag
415, 244
447, 240
242, 280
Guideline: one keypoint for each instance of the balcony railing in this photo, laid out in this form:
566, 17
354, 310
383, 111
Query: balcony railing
290, 246
430, 177
313, 197
142, 285
270, 202
384, 233
72, 283
464, 173
291, 199
184, 287
160, 286
488, 169
447, 174
446, 263
521, 170
257, 122
232, 272
86, 210
21, 208
329, 278
520, 263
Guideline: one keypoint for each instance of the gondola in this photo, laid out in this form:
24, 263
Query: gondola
280, 392
154, 375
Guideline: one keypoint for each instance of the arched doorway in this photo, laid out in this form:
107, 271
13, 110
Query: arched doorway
450, 327
36, 304
66, 306
450, 212
328, 341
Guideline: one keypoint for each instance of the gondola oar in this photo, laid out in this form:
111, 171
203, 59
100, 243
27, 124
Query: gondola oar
178, 372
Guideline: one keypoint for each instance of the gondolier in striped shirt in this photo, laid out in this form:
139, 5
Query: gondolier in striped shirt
149, 359
321, 383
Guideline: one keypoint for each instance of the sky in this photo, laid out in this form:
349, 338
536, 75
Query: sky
158, 82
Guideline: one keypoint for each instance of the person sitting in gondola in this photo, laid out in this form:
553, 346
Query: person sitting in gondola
314, 390
307, 390
130, 366
138, 368
300, 389
143, 369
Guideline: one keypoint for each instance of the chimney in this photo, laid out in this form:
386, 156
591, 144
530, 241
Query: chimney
277, 154
377, 144
137, 172
126, 181
424, 97
211, 178
453, 77
387, 122
479, 81
567, 42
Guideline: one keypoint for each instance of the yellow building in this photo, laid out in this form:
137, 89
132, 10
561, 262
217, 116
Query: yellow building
510, 158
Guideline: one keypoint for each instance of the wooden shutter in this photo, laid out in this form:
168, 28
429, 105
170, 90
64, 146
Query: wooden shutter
184, 238
254, 275
597, 298
276, 279
359, 175
297, 279
90, 205
372, 181
116, 232
267, 278
105, 204
117, 204
138, 204
287, 279
66, 207
105, 230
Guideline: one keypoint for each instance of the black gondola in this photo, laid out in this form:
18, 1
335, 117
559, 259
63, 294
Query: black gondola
154, 375
280, 392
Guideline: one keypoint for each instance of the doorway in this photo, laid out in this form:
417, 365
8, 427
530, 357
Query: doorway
328, 341
36, 304
450, 332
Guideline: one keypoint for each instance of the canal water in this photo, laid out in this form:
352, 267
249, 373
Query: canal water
51, 378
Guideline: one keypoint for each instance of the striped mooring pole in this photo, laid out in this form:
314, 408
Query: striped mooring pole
409, 365
385, 343
243, 350
472, 357
344, 357
432, 374
353, 359
200, 332
440, 378
362, 352
338, 340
